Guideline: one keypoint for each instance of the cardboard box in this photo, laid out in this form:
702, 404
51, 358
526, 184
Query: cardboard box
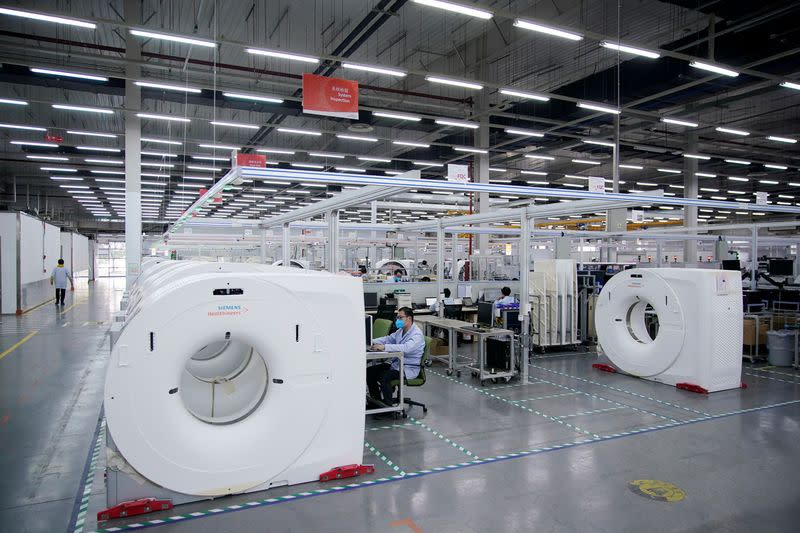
749, 336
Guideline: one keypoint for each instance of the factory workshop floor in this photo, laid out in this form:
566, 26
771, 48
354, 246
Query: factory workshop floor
565, 451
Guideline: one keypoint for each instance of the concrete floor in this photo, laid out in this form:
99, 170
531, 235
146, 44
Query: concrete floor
554, 454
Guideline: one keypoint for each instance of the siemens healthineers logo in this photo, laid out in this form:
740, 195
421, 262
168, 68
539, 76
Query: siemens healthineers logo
228, 310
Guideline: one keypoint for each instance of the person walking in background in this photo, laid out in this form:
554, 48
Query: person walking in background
59, 277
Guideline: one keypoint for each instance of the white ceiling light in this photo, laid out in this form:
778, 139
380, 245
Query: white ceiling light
704, 175
457, 123
58, 169
543, 157
776, 167
497, 169
630, 49
65, 178
37, 144
160, 141
376, 70
669, 170
524, 94
322, 154
255, 98
173, 38
573, 185
697, 156
65, 74
533, 172
526, 133
374, 159
769, 182
791, 85
157, 165
307, 165
454, 83
737, 161
732, 131
12, 102
48, 157
299, 132
162, 117
19, 127
412, 144
541, 28
599, 143
599, 107
586, 162
679, 122
207, 158
398, 116
161, 154
737, 178
219, 146
470, 150
92, 134
357, 138
714, 68
427, 164
47, 18
346, 169
115, 172
282, 55
234, 125
83, 108
205, 169
274, 151
781, 139
456, 8
199, 178
98, 149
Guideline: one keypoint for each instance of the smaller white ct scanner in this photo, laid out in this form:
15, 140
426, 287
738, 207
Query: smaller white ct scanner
229, 378
699, 338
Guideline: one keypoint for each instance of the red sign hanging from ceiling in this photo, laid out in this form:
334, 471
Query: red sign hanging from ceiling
251, 160
332, 97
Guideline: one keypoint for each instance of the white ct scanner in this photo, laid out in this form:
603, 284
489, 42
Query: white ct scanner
699, 339
230, 378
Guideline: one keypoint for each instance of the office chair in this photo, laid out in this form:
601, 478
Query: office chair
381, 327
417, 381
386, 312
453, 312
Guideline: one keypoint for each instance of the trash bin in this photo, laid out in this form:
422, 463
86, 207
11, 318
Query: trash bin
781, 347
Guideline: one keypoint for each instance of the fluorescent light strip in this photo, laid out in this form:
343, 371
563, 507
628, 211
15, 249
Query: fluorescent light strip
599, 143
376, 70
543, 157
274, 151
234, 125
207, 158
32, 143
457, 123
92, 134
704, 175
346, 169
412, 144
282, 55
598, 107
299, 132
306, 165
65, 178
456, 8
714, 68
98, 149
173, 38
83, 108
19, 127
65, 74
206, 169
669, 170
678, 122
470, 150
157, 165
586, 162
357, 138
732, 131
697, 156
737, 161
47, 18
160, 154
526, 133
737, 178
218, 146
322, 154
787, 140
632, 167
791, 85
454, 83
776, 167
114, 172
374, 159
630, 49
427, 164
58, 169
526, 95
242, 96
160, 141
398, 116
47, 157
533, 172
541, 28
12, 102
769, 182
162, 117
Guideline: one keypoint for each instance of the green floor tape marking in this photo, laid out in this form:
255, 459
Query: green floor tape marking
771, 378
392, 426
87, 491
548, 397
594, 412
509, 402
597, 397
434, 470
676, 406
383, 458
770, 370
439, 435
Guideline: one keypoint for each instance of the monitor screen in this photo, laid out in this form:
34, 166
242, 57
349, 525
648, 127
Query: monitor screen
781, 267
368, 329
731, 264
370, 299
430, 301
485, 313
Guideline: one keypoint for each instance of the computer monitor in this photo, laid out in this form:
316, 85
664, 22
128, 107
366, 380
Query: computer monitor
370, 299
467, 301
430, 301
368, 329
781, 267
486, 313
731, 264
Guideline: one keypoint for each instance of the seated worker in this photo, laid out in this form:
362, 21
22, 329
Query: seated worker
506, 298
447, 301
398, 277
407, 339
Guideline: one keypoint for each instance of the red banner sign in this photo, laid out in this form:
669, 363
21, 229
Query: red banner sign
251, 160
332, 97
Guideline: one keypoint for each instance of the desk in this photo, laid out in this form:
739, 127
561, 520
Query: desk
400, 407
454, 327
417, 312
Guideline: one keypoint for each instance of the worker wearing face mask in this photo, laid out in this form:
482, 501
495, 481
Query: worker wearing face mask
407, 339
397, 278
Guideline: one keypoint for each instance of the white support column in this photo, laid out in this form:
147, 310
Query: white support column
133, 147
263, 250
754, 258
524, 298
286, 246
481, 174
333, 241
373, 249
454, 268
690, 191
440, 265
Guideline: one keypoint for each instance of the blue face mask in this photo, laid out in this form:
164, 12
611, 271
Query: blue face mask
398, 279
399, 323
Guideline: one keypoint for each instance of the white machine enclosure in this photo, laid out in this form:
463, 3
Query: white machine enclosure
699, 339
308, 329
